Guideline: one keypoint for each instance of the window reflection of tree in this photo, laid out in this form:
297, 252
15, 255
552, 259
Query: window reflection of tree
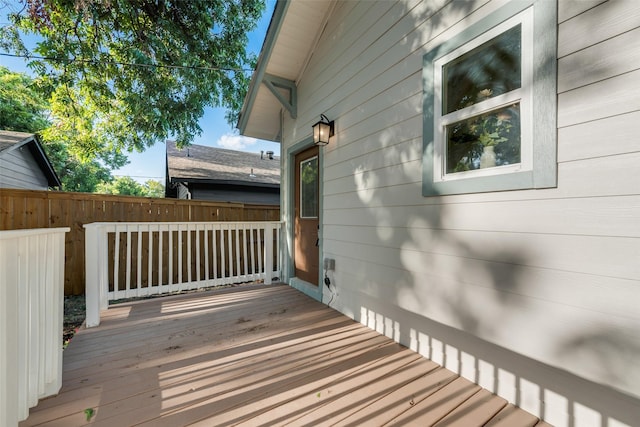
309, 187
489, 70
494, 66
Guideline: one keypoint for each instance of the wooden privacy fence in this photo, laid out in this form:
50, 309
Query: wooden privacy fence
126, 260
25, 209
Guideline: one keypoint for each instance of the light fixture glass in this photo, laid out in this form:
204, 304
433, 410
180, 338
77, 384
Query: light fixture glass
322, 131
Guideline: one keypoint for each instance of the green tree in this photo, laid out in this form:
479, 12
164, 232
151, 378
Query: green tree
76, 175
154, 188
124, 186
23, 109
122, 75
127, 186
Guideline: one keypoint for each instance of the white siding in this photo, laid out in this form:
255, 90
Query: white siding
183, 192
549, 276
18, 169
235, 196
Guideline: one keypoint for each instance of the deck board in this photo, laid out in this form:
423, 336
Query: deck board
327, 404
255, 355
398, 401
511, 415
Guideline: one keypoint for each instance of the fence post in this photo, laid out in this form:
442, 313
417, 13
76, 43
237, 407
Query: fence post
93, 284
268, 252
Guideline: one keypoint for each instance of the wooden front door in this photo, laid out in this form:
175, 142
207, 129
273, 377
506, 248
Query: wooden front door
307, 212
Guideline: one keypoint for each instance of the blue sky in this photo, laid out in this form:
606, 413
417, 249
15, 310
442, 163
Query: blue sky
216, 131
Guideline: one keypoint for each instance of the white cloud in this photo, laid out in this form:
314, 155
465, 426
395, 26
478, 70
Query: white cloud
236, 142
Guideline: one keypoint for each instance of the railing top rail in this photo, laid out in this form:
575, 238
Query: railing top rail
176, 223
12, 234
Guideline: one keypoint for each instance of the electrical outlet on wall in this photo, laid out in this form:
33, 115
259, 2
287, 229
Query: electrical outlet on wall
329, 264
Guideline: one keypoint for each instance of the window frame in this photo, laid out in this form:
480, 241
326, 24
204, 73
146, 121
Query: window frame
538, 94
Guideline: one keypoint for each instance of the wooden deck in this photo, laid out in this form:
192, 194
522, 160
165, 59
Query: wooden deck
255, 356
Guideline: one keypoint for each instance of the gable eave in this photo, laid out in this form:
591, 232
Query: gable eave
10, 141
294, 30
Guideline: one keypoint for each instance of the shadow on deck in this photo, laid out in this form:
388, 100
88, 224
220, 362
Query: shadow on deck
255, 355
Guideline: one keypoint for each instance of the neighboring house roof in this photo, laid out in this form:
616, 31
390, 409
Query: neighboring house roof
289, 42
209, 165
10, 141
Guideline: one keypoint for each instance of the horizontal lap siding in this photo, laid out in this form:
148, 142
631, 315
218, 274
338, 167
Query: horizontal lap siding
561, 264
444, 254
389, 276
572, 218
18, 169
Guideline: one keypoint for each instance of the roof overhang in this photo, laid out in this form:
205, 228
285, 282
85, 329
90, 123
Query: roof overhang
290, 40
205, 181
18, 140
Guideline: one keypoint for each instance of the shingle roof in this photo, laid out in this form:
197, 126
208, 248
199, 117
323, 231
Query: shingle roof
208, 164
9, 139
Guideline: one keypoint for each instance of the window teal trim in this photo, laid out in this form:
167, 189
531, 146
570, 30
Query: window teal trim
275, 82
544, 132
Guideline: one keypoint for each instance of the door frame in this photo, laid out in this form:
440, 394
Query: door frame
305, 287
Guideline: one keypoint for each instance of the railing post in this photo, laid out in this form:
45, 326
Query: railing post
278, 266
103, 266
268, 253
93, 279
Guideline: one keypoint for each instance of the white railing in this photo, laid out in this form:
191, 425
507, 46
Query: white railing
127, 259
31, 313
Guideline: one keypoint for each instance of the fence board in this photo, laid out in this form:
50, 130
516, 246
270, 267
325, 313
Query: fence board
26, 209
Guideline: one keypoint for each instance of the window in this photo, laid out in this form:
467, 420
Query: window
309, 188
490, 104
482, 97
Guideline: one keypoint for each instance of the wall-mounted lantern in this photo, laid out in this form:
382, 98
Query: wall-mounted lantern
322, 131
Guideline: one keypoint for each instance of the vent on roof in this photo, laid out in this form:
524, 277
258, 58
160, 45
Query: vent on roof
270, 155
